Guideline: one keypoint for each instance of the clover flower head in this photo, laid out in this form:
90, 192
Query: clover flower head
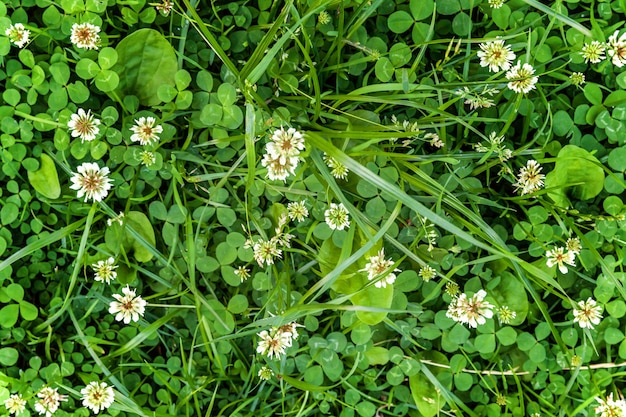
505, 315
49, 401
297, 211
145, 132
377, 265
128, 306
561, 257
521, 78
85, 35
593, 52
337, 216
84, 125
337, 169
587, 314
165, 7
273, 342
610, 407
265, 373
529, 178
97, 396
15, 404
471, 311
18, 34
616, 49
91, 181
104, 271
577, 78
427, 273
495, 55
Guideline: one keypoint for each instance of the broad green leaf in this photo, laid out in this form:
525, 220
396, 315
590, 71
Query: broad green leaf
117, 237
577, 173
9, 315
427, 398
8, 356
46, 179
28, 311
146, 60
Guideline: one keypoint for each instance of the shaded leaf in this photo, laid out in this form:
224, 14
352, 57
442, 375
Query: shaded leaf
46, 179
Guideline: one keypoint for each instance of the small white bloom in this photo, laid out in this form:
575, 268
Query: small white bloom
145, 132
577, 78
337, 169
265, 373
616, 49
337, 216
377, 265
128, 306
495, 55
505, 315
266, 250
243, 273
559, 256
573, 245
285, 144
278, 171
427, 273
610, 407
49, 401
91, 181
521, 78
18, 34
15, 404
105, 270
117, 219
273, 343
97, 396
593, 52
296, 210
85, 35
529, 178
165, 7
84, 125
496, 4
587, 314
471, 311
147, 158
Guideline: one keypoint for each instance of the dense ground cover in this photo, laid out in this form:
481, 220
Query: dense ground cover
347, 208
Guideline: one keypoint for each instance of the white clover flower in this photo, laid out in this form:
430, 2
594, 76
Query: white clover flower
281, 153
242, 272
593, 52
616, 49
273, 343
573, 245
97, 396
165, 7
471, 311
147, 158
495, 55
337, 216
496, 4
376, 266
529, 178
505, 315
521, 78
296, 210
84, 125
427, 273
278, 171
105, 270
91, 181
610, 407
18, 34
337, 169
587, 314
49, 401
559, 256
128, 306
85, 35
15, 404
285, 144
265, 373
265, 251
145, 132
577, 78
